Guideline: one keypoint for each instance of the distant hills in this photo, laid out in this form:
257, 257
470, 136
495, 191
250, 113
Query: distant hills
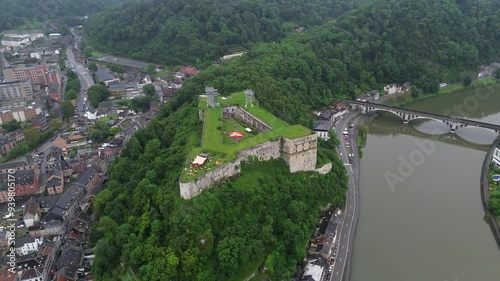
31, 13
174, 32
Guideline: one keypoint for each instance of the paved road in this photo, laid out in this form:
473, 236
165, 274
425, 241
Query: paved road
85, 81
351, 212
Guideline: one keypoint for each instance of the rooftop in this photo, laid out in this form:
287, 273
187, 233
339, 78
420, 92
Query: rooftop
322, 125
123, 61
104, 75
48, 201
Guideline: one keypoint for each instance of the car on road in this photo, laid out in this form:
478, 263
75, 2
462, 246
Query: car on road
351, 126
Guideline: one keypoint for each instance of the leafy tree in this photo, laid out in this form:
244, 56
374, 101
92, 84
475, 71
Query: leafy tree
149, 90
97, 93
467, 80
92, 66
497, 74
114, 130
140, 104
67, 109
31, 136
12, 125
71, 94
117, 68
88, 51
55, 124
99, 132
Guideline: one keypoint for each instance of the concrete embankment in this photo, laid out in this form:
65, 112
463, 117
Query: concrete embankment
485, 192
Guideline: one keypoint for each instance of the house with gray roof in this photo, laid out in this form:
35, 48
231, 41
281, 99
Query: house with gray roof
103, 75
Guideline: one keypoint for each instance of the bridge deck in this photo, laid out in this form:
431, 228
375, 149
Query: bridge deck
428, 115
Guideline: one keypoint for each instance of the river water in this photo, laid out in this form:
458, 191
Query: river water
421, 216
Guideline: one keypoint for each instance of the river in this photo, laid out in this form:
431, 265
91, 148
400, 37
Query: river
421, 216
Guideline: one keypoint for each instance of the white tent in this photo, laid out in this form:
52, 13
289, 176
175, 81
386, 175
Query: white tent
199, 160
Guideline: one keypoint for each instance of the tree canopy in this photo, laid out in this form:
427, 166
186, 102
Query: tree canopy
97, 93
175, 32
265, 214
16, 13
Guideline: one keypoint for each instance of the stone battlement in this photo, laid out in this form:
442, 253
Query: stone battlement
299, 153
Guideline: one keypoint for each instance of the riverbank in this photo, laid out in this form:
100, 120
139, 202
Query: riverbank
485, 191
406, 99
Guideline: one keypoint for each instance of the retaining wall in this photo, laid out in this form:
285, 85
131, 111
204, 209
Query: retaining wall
485, 192
264, 152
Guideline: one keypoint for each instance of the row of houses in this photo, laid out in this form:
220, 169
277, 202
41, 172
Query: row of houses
46, 218
27, 179
10, 140
327, 118
320, 250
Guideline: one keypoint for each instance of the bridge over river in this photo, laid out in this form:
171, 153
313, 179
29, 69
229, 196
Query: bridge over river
408, 115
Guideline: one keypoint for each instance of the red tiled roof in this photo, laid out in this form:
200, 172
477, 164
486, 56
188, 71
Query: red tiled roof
189, 70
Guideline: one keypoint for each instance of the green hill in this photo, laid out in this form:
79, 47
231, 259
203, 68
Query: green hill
225, 233
383, 42
268, 213
180, 32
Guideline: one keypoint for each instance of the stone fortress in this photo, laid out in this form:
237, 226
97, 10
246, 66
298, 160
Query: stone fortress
299, 153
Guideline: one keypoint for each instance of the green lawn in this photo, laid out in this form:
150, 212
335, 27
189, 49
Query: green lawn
96, 54
475, 83
221, 147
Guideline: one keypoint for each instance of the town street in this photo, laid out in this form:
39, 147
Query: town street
85, 82
351, 211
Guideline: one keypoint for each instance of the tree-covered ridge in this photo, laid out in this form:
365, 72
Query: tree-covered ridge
175, 32
266, 214
14, 13
384, 42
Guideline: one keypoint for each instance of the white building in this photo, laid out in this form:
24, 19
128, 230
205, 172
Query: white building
12, 38
314, 271
94, 115
393, 89
27, 245
496, 157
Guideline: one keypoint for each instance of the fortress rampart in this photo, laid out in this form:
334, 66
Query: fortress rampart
300, 154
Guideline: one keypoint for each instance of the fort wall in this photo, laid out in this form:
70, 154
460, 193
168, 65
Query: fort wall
300, 154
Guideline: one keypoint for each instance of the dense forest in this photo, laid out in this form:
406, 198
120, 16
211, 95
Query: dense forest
16, 13
194, 31
267, 214
264, 216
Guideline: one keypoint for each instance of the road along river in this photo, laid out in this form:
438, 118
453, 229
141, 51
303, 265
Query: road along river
421, 216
